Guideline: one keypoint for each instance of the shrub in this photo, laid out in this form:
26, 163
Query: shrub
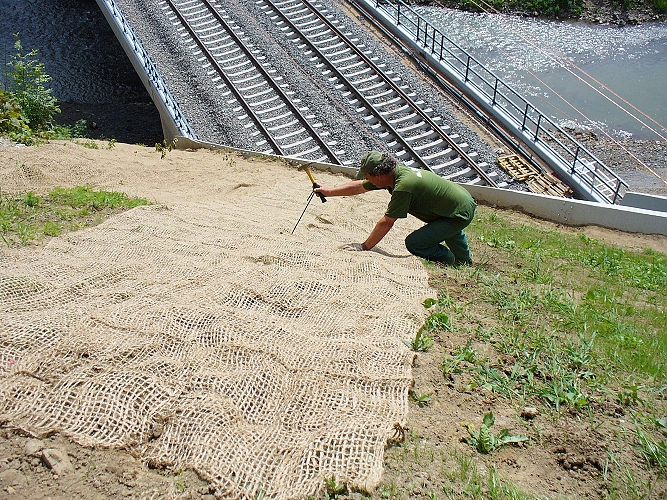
26, 86
660, 6
12, 122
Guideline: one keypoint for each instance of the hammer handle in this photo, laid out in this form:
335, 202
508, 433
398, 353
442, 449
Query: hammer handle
316, 185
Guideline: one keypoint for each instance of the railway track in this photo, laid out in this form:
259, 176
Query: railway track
388, 107
259, 100
388, 111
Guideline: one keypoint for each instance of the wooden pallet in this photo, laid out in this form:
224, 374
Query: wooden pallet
547, 184
516, 167
538, 182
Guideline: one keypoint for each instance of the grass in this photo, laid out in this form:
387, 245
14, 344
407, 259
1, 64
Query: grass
556, 321
28, 218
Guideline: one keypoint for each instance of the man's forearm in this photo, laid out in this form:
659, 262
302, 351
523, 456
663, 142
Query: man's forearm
379, 231
348, 189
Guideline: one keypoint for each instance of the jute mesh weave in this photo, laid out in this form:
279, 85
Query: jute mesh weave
209, 337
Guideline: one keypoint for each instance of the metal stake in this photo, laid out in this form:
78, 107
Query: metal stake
304, 210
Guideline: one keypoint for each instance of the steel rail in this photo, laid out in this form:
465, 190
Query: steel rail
258, 66
391, 84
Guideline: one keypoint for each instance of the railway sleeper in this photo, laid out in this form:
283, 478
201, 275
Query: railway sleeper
294, 9
261, 83
364, 71
271, 99
259, 94
394, 100
383, 94
342, 60
414, 126
395, 111
307, 15
305, 21
298, 143
371, 87
234, 48
466, 173
346, 50
354, 65
250, 78
246, 71
322, 46
316, 149
440, 155
272, 119
313, 31
298, 131
402, 119
429, 145
280, 105
373, 77
290, 34
281, 125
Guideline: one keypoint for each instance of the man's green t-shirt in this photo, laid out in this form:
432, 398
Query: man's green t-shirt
426, 196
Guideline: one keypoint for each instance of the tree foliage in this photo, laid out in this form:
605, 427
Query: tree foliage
27, 106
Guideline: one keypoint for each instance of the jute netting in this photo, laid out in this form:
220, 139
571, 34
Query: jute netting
206, 336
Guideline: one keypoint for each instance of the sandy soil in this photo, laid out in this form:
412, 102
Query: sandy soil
570, 467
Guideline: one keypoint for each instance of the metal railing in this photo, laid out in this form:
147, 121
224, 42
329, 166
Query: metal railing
531, 126
168, 103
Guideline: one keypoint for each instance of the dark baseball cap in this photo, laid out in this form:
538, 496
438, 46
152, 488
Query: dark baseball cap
368, 162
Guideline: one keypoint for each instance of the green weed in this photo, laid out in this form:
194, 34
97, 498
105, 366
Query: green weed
87, 144
465, 480
28, 217
485, 441
421, 342
163, 148
653, 451
420, 398
333, 489
462, 354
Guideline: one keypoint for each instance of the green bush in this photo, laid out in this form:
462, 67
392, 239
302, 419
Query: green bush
26, 87
660, 6
12, 122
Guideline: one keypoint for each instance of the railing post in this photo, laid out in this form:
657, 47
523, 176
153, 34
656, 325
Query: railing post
618, 188
525, 116
418, 19
442, 37
537, 129
576, 155
495, 91
467, 68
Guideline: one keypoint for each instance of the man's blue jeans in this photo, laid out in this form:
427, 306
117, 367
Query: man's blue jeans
426, 242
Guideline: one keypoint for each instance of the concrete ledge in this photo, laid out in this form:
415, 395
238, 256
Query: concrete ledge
646, 201
574, 212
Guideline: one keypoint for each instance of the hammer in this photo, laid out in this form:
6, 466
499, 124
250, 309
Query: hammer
312, 179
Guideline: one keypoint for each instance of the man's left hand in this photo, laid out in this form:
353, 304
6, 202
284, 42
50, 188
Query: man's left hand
352, 247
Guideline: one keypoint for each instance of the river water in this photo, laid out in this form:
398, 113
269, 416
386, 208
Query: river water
91, 76
535, 56
608, 78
